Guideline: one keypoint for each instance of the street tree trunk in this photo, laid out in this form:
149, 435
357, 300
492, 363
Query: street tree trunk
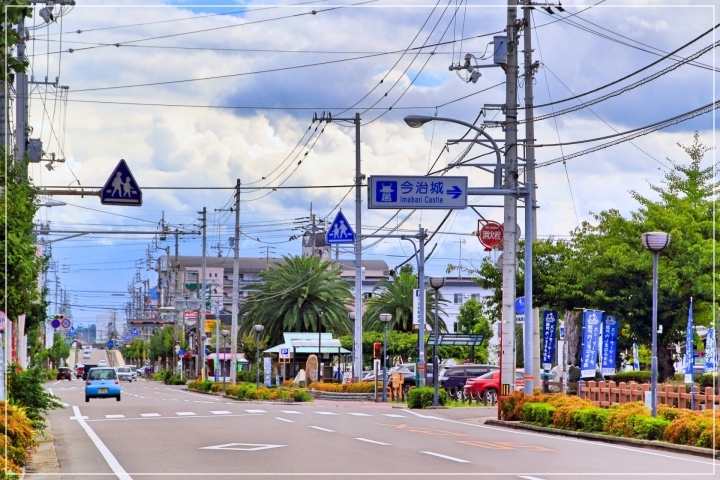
573, 336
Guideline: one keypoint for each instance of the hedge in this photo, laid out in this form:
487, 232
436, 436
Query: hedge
361, 387
639, 376
423, 397
538, 413
590, 419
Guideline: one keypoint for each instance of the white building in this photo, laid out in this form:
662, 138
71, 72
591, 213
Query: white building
107, 325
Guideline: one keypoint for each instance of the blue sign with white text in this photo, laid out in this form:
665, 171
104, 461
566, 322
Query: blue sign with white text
393, 191
591, 336
550, 318
340, 231
710, 352
609, 345
121, 188
689, 347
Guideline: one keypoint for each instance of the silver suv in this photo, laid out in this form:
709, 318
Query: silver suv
123, 373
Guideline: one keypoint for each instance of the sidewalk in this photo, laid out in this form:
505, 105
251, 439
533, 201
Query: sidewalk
43, 462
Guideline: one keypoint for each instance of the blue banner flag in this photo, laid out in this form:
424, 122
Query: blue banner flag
591, 337
548, 350
636, 357
609, 345
689, 348
711, 359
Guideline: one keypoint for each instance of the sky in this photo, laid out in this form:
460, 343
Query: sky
199, 94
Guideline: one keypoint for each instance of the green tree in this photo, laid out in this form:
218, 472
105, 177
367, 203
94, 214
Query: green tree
135, 352
396, 298
162, 343
60, 350
9, 37
25, 389
291, 297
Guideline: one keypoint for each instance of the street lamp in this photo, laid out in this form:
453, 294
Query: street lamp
225, 334
655, 242
436, 283
258, 329
385, 318
319, 317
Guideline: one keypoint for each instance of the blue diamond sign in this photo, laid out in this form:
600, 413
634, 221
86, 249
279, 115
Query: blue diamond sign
121, 188
340, 231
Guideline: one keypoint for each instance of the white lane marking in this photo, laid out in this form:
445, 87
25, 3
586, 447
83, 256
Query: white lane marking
326, 413
56, 382
393, 415
85, 417
284, 420
65, 404
149, 414
459, 460
321, 428
185, 414
256, 411
220, 412
291, 411
104, 451
371, 441
360, 414
530, 478
114, 416
174, 418
421, 415
50, 390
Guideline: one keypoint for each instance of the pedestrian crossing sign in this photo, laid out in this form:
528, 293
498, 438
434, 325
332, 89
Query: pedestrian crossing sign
340, 231
121, 188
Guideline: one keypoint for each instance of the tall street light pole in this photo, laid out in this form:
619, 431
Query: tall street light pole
436, 283
319, 327
655, 242
385, 318
258, 329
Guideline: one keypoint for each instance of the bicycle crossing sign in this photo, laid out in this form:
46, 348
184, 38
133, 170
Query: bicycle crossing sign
340, 231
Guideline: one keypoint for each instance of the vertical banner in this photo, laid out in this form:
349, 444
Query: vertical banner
548, 351
416, 309
636, 357
689, 347
591, 335
267, 368
711, 352
609, 345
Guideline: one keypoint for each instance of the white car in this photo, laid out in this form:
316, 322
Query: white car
124, 373
133, 371
102, 363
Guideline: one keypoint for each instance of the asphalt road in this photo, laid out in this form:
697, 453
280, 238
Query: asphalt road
168, 433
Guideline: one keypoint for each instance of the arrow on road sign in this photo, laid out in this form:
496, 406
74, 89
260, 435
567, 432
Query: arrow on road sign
340, 231
121, 188
244, 447
455, 191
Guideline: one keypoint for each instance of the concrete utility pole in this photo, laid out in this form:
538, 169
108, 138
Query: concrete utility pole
235, 288
201, 318
177, 316
357, 340
509, 267
21, 97
530, 170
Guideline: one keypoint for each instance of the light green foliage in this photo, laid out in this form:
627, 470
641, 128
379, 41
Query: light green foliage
423, 397
9, 37
25, 389
395, 297
59, 350
292, 295
135, 351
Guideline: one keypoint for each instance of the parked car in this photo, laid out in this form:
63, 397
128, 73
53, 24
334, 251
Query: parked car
86, 369
124, 373
102, 363
133, 371
488, 385
79, 370
453, 378
102, 382
64, 373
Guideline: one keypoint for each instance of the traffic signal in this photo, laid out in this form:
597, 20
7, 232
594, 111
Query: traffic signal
377, 350
59, 316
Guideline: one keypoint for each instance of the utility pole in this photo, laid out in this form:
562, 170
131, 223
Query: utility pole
357, 340
201, 317
460, 242
509, 267
21, 97
235, 288
178, 316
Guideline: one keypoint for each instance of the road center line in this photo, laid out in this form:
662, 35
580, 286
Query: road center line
284, 420
371, 441
321, 428
104, 451
459, 460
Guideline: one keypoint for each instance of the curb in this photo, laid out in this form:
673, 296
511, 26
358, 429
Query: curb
635, 442
43, 462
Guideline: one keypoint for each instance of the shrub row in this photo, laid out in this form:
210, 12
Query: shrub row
631, 420
639, 376
167, 377
16, 440
423, 397
361, 387
248, 391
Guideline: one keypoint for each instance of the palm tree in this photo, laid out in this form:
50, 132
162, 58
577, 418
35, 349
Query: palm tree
396, 298
291, 296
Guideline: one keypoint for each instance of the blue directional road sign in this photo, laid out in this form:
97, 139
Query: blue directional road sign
72, 332
340, 232
134, 332
423, 193
121, 188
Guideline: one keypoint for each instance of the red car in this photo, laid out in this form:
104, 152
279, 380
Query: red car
489, 384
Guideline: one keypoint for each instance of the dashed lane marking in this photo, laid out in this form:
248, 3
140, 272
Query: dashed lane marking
220, 412
323, 429
447, 457
149, 414
371, 441
393, 415
326, 413
185, 414
284, 420
256, 411
66, 404
114, 416
360, 414
291, 412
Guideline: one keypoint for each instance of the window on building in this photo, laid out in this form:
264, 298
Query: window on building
367, 295
475, 296
192, 277
458, 298
455, 327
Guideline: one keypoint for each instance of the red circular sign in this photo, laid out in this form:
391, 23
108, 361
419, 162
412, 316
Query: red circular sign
66, 323
491, 234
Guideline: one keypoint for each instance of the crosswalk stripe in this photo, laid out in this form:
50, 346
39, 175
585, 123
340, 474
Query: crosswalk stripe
256, 411
291, 411
220, 412
284, 420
